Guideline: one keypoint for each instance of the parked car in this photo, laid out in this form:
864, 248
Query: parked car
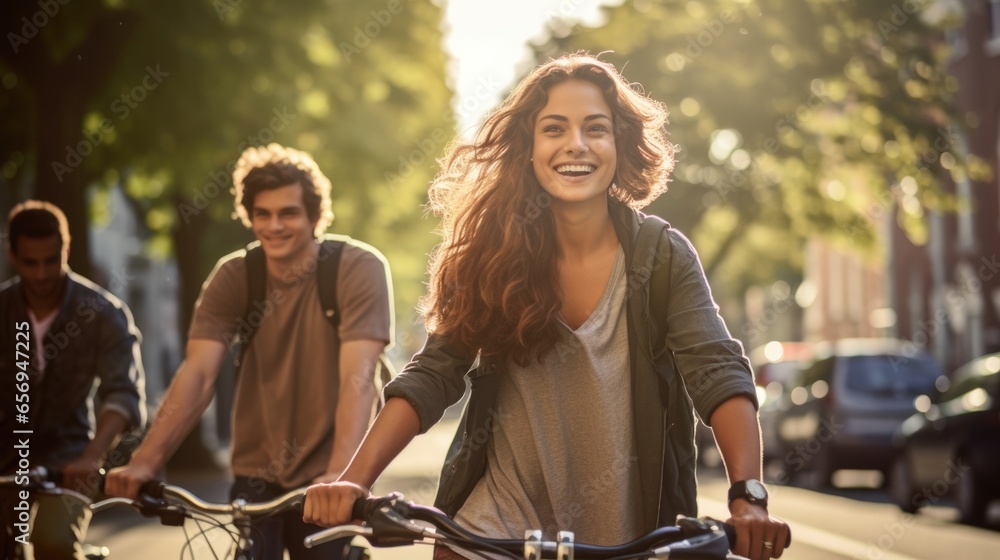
779, 361
952, 448
842, 411
775, 364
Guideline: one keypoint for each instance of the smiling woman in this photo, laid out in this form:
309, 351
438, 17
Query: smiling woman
574, 153
540, 280
575, 111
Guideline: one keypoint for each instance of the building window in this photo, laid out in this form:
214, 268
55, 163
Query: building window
966, 238
992, 46
994, 19
957, 45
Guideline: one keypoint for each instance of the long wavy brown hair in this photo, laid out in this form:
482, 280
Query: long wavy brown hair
493, 286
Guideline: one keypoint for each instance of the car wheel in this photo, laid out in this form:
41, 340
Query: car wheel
901, 488
971, 499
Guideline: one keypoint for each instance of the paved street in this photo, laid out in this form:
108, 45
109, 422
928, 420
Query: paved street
853, 523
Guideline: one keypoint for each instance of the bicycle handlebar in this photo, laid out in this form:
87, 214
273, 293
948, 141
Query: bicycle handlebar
390, 522
36, 477
154, 498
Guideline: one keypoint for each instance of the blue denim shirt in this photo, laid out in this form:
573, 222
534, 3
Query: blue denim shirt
92, 337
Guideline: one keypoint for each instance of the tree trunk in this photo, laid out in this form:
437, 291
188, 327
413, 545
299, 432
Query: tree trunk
59, 145
193, 451
64, 86
187, 238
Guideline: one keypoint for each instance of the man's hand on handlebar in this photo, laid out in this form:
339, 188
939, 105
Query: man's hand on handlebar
82, 475
124, 482
329, 505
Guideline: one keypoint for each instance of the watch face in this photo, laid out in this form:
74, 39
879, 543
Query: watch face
756, 490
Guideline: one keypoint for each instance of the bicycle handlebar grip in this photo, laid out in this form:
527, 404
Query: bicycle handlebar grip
153, 489
366, 507
52, 475
360, 509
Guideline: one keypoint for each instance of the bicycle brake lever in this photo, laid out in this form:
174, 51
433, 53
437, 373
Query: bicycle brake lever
169, 515
365, 507
391, 528
334, 533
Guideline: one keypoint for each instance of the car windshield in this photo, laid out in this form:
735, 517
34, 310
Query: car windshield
891, 375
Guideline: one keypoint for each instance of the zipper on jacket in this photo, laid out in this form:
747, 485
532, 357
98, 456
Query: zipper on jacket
646, 319
663, 465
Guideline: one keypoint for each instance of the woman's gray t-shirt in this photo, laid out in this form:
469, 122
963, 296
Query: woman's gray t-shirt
563, 455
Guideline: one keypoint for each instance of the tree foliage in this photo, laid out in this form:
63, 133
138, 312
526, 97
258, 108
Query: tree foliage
793, 118
161, 96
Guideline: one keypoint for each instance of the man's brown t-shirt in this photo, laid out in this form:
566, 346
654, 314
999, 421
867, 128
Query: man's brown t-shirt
286, 397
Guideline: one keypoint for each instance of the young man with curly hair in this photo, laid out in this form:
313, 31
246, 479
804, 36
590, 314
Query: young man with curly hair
305, 388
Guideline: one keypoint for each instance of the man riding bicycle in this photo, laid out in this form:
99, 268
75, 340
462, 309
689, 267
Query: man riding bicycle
73, 333
305, 388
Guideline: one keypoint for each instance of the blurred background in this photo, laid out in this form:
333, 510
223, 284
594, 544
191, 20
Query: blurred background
837, 168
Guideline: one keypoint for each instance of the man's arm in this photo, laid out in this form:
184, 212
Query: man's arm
358, 359
121, 393
186, 400
80, 474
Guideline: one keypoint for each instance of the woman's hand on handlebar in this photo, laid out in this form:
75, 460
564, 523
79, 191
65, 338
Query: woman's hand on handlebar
124, 482
329, 505
759, 536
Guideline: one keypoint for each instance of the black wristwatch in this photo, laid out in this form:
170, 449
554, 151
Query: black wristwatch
752, 491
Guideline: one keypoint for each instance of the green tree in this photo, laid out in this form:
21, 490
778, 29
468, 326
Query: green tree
792, 117
161, 97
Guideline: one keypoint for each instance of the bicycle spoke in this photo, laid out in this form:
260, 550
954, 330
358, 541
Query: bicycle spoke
200, 521
187, 542
204, 535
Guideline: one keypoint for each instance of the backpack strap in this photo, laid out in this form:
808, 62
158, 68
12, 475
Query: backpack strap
659, 281
326, 279
328, 266
327, 271
648, 251
256, 294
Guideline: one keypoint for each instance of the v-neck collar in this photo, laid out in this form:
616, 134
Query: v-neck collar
616, 271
